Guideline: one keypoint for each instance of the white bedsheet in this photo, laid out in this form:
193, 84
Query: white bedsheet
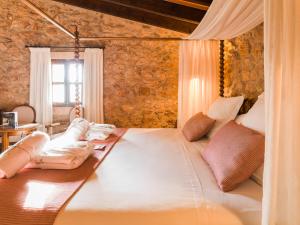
155, 177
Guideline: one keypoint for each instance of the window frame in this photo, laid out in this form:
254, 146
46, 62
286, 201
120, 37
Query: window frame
67, 84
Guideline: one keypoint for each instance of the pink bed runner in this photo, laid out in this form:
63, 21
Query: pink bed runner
35, 196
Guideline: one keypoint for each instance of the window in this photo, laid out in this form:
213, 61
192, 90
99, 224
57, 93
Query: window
65, 81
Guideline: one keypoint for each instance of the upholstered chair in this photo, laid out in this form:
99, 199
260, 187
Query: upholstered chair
26, 114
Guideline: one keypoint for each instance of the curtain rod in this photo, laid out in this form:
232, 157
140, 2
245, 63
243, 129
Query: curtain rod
132, 38
47, 17
63, 47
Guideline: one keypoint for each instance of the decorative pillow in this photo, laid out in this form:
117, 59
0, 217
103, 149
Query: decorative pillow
233, 154
255, 118
197, 126
223, 110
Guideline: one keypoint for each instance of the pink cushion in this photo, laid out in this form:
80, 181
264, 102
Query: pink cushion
233, 154
197, 126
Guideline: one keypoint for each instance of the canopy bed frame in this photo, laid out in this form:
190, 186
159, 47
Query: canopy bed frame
125, 184
248, 102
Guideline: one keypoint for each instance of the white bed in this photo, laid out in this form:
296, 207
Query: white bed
155, 177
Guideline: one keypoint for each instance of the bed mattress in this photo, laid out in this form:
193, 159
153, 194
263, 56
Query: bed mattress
156, 177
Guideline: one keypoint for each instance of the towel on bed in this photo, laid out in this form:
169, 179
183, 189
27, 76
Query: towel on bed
99, 132
36, 150
17, 156
69, 157
77, 129
66, 151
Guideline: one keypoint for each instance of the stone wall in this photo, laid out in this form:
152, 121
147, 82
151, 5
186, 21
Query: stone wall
140, 77
244, 64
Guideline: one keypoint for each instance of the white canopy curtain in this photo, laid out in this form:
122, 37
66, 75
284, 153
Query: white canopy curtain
224, 19
281, 191
281, 194
93, 85
197, 83
41, 85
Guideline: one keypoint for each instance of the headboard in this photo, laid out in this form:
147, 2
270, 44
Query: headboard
248, 102
221, 64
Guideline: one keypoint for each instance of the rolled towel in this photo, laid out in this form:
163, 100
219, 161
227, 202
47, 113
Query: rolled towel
75, 131
99, 131
17, 156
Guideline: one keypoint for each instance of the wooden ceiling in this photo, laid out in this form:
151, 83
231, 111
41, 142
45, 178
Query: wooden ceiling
177, 15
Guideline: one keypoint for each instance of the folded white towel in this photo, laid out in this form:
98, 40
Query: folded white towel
62, 158
64, 152
99, 131
17, 156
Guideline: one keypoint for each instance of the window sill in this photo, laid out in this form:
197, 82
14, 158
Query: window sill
63, 105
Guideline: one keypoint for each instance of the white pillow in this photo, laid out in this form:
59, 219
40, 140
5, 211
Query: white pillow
239, 118
262, 95
257, 176
223, 110
255, 117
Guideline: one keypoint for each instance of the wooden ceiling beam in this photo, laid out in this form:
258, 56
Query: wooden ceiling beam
191, 4
163, 8
202, 2
158, 13
153, 9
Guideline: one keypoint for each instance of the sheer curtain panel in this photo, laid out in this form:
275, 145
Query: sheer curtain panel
41, 85
281, 196
224, 19
228, 19
93, 85
198, 82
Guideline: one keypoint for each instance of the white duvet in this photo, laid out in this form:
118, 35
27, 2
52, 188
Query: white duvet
155, 177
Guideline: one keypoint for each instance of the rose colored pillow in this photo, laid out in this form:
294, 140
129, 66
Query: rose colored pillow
233, 154
197, 126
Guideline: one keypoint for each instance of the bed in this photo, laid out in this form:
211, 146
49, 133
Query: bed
154, 176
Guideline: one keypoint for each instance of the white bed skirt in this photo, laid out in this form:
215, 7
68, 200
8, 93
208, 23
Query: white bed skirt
155, 177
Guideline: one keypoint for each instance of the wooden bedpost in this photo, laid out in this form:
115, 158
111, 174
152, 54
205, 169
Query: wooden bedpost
222, 68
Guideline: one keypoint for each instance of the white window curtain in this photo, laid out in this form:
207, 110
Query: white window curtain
281, 194
41, 85
93, 85
197, 83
